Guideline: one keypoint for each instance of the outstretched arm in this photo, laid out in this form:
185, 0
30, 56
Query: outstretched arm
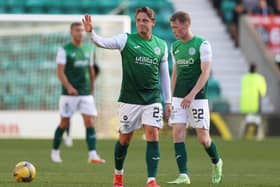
116, 42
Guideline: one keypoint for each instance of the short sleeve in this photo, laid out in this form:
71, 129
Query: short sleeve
205, 52
61, 56
91, 60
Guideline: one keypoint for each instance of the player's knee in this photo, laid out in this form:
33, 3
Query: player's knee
124, 142
152, 135
178, 136
89, 122
205, 142
64, 123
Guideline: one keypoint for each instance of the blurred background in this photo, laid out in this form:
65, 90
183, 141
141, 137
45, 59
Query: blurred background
240, 32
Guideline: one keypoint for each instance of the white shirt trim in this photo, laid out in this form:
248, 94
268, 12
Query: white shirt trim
61, 56
205, 52
165, 78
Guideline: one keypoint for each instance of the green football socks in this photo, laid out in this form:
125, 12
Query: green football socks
57, 137
91, 138
181, 156
152, 158
213, 153
120, 154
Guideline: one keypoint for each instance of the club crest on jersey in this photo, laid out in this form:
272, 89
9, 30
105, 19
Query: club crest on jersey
191, 51
87, 55
73, 55
157, 50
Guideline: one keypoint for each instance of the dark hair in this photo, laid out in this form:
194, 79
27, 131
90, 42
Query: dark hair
74, 24
147, 10
253, 68
182, 17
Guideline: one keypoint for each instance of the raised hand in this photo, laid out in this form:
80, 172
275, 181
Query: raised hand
87, 23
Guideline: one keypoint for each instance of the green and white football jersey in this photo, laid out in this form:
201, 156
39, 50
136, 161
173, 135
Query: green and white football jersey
141, 63
77, 61
188, 57
144, 66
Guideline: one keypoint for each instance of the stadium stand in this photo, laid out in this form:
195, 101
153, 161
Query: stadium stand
212, 29
28, 79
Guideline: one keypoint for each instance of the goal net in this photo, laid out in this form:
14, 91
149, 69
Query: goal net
28, 47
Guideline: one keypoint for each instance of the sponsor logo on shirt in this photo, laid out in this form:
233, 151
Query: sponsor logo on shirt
137, 47
146, 60
81, 63
188, 62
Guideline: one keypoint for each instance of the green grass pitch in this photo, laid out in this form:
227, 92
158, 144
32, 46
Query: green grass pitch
246, 163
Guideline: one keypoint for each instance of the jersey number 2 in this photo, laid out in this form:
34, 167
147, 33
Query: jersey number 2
156, 112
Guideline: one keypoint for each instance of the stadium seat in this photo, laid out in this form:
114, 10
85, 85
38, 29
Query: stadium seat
11, 101
35, 6
89, 7
54, 6
221, 105
15, 6
2, 7
72, 7
32, 101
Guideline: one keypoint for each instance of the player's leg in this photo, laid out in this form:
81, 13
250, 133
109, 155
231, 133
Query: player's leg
91, 139
89, 113
179, 135
67, 106
68, 139
152, 153
129, 116
152, 122
211, 149
120, 152
200, 119
178, 122
55, 154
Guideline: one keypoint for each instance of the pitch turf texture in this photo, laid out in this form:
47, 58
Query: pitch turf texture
246, 163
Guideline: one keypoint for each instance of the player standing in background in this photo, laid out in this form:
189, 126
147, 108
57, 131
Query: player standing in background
253, 88
68, 139
76, 73
192, 58
144, 65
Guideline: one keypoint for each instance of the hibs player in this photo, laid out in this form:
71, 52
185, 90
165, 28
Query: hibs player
75, 71
144, 66
192, 58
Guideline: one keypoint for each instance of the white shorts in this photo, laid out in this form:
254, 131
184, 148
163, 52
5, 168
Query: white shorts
253, 119
69, 104
196, 116
132, 116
